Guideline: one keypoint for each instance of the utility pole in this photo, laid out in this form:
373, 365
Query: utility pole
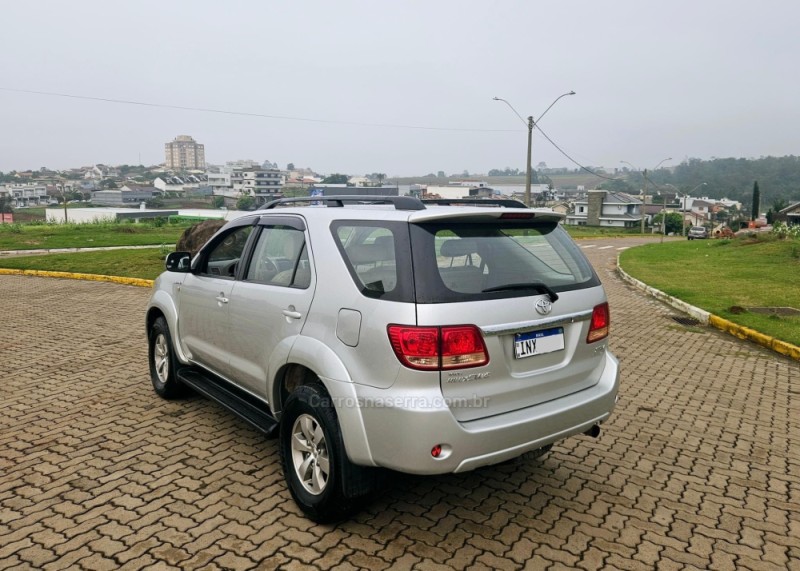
644, 198
530, 123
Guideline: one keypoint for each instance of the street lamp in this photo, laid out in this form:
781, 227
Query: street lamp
644, 187
530, 123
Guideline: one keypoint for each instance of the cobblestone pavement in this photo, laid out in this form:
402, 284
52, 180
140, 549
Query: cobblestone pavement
699, 467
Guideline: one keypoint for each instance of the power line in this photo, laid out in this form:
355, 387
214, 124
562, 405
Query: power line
248, 114
563, 152
292, 118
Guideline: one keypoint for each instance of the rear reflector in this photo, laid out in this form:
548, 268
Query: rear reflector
437, 348
599, 324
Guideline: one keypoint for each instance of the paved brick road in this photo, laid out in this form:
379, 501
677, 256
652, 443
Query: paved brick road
699, 468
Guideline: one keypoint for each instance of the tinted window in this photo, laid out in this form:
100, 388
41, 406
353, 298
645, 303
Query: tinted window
457, 262
280, 258
223, 258
377, 257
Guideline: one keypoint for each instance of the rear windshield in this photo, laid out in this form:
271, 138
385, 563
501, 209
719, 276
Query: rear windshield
471, 261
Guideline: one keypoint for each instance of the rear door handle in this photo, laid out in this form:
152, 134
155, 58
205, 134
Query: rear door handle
290, 312
221, 298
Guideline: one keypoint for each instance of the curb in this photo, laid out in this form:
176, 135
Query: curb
709, 319
138, 282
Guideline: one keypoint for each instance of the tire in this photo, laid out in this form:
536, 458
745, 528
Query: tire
163, 363
322, 480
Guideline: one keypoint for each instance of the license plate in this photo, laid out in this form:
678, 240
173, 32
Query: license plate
538, 342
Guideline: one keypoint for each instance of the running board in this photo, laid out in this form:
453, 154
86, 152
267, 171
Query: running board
242, 404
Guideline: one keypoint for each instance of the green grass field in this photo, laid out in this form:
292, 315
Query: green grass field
724, 276
48, 236
144, 263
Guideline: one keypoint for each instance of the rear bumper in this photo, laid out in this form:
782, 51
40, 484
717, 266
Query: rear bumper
402, 431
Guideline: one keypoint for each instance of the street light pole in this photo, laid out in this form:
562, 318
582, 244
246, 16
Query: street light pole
528, 168
530, 124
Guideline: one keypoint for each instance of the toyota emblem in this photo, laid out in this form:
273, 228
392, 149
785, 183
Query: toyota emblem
543, 306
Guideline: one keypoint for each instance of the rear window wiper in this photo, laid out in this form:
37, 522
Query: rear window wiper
539, 286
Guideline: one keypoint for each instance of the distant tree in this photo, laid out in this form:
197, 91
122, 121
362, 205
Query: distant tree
777, 206
290, 167
108, 183
440, 174
217, 202
5, 204
756, 202
380, 176
336, 179
154, 202
674, 221
246, 203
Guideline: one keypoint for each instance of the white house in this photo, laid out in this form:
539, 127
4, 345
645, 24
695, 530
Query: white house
604, 208
26, 194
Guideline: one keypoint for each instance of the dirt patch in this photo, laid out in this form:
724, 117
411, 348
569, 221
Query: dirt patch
780, 311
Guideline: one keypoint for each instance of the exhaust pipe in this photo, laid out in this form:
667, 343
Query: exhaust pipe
594, 431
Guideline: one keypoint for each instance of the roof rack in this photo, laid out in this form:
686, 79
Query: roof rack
506, 202
399, 202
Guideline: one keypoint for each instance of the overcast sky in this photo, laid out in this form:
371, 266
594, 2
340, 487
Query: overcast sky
403, 87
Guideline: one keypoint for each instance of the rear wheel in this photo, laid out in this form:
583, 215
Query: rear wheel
163, 364
322, 480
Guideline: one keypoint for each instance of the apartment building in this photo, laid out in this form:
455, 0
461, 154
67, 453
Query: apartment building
27, 194
234, 182
184, 153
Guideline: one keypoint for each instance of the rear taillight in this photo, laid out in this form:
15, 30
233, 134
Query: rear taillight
599, 324
437, 348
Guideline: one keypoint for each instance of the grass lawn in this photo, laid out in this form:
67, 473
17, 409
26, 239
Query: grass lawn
35, 236
579, 232
145, 263
722, 276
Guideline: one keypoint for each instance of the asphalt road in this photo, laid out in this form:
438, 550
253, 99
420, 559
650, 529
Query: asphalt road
699, 468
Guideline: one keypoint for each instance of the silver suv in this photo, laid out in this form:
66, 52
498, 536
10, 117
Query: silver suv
424, 338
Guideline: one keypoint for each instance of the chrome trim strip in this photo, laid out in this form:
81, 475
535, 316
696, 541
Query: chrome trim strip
509, 328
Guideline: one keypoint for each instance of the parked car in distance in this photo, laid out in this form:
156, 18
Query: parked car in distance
372, 333
697, 233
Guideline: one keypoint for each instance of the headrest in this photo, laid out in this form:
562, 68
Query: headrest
456, 248
372, 253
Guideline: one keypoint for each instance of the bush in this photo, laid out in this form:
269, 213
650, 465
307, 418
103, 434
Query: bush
783, 231
15, 228
246, 203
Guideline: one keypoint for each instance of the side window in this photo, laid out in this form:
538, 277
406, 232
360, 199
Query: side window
224, 258
280, 258
370, 252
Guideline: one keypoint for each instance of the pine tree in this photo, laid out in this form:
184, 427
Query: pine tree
756, 202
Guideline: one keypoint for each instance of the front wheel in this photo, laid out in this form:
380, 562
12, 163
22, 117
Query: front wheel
322, 480
163, 364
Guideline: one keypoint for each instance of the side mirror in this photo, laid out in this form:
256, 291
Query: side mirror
179, 262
